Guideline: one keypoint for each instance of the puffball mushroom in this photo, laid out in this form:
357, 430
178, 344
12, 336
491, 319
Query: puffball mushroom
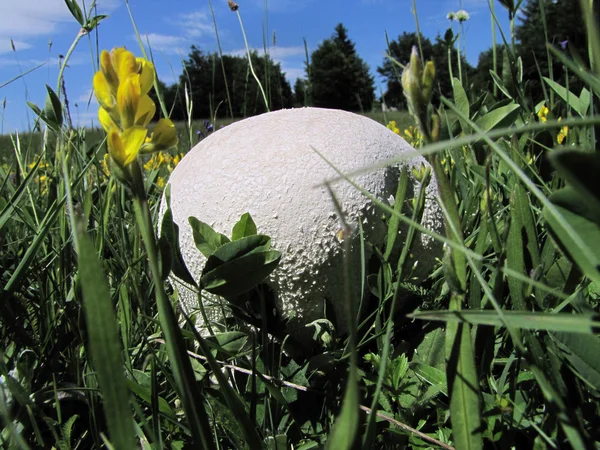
268, 165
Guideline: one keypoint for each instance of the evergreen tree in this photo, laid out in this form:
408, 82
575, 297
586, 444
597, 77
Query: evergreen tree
339, 78
481, 79
208, 89
300, 88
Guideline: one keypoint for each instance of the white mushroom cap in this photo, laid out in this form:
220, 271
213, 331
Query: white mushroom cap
267, 166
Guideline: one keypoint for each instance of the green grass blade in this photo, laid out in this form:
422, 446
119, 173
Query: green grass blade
104, 344
565, 322
463, 385
346, 425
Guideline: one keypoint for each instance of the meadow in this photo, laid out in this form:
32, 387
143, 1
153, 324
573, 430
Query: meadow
498, 348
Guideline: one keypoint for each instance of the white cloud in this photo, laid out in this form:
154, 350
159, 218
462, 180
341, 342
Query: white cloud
191, 27
195, 24
281, 6
293, 73
27, 19
166, 43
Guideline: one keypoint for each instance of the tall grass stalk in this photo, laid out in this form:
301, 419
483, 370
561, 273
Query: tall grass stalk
212, 13
250, 65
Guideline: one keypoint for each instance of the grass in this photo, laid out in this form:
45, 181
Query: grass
497, 348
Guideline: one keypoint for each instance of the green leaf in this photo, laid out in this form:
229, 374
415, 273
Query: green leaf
144, 393
515, 257
244, 227
589, 260
36, 109
519, 70
104, 344
462, 102
234, 277
230, 342
347, 423
463, 387
431, 375
206, 239
75, 11
93, 22
569, 98
499, 84
574, 323
52, 114
394, 221
499, 117
583, 352
236, 249
581, 171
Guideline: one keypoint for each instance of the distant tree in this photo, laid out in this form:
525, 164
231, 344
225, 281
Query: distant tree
565, 26
481, 79
338, 77
300, 88
400, 51
207, 87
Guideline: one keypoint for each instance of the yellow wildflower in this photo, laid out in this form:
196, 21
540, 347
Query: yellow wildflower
563, 133
121, 86
413, 136
543, 113
392, 126
124, 147
160, 182
163, 137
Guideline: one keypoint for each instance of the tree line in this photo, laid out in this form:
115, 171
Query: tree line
337, 77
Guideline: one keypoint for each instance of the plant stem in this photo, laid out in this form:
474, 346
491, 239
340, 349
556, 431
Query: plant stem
82, 33
414, 10
250, 63
182, 368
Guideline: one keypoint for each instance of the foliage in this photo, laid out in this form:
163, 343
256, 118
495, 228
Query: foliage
338, 77
203, 78
560, 17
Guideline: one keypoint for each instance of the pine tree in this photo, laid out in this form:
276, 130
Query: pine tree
206, 86
339, 78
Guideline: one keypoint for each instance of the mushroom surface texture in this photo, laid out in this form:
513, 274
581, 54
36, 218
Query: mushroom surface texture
274, 166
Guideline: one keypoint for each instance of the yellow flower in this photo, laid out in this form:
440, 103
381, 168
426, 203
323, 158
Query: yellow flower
124, 147
543, 113
160, 182
163, 137
413, 136
392, 126
562, 134
106, 119
121, 87
128, 98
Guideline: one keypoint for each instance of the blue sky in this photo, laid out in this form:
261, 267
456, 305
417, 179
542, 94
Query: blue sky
43, 29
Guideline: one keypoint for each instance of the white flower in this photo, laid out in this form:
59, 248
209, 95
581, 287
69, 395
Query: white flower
462, 16
451, 16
